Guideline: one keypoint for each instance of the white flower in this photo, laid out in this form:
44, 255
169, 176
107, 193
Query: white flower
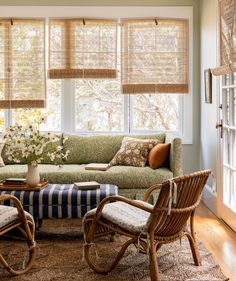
59, 148
40, 150
30, 126
30, 148
29, 143
64, 140
43, 119
52, 157
66, 154
34, 163
37, 152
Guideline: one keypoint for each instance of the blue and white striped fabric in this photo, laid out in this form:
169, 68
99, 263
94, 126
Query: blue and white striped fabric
61, 200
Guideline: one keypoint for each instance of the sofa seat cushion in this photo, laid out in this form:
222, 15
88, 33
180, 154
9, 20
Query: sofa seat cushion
126, 216
122, 176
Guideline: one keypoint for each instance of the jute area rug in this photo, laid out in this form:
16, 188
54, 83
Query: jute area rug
60, 257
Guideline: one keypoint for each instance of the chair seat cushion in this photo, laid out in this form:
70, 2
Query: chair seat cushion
125, 216
9, 214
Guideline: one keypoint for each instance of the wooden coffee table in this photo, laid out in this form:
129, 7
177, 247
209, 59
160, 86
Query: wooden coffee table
61, 200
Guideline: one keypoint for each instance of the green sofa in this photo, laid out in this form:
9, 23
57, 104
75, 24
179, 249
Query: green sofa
132, 181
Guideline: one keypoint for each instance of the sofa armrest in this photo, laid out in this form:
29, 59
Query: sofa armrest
175, 157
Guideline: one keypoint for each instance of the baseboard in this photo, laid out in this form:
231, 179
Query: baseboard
209, 198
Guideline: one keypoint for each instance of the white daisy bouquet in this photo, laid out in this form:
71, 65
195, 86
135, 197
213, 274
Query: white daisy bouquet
29, 144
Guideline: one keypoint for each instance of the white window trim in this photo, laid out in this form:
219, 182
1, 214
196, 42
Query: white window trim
186, 114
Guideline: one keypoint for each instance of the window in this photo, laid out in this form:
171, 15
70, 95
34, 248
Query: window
100, 107
227, 29
82, 48
154, 55
155, 112
2, 120
97, 105
52, 112
22, 63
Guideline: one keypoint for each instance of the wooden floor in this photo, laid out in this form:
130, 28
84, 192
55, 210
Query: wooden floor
218, 238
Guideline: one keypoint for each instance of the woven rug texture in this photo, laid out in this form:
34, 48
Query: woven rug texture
60, 257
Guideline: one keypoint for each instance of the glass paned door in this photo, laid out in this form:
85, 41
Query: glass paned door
228, 145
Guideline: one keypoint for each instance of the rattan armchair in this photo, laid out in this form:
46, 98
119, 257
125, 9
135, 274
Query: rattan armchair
17, 258
147, 226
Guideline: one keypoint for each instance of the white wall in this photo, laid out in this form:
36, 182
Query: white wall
209, 55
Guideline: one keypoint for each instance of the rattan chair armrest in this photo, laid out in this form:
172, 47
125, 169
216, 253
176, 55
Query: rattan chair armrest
122, 199
150, 191
18, 204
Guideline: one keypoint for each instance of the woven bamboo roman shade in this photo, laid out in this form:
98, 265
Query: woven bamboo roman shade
227, 38
82, 48
22, 63
155, 56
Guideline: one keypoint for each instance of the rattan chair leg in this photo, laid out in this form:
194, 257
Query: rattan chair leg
19, 272
88, 257
29, 236
194, 249
153, 264
192, 226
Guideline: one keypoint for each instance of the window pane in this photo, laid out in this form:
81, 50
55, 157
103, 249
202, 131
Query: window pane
2, 120
155, 112
52, 111
2, 77
99, 106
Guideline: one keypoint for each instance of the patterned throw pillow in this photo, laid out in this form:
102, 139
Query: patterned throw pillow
133, 152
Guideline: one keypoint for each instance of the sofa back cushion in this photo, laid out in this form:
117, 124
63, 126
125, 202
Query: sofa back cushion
98, 149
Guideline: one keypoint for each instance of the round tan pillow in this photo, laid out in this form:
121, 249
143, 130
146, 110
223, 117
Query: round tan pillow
159, 155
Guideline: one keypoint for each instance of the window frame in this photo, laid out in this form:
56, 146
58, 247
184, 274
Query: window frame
68, 110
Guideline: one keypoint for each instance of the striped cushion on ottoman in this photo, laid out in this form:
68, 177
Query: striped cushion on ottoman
62, 200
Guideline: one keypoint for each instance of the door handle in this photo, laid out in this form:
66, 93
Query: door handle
220, 126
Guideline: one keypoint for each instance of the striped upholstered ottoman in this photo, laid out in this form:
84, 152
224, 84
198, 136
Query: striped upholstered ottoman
61, 200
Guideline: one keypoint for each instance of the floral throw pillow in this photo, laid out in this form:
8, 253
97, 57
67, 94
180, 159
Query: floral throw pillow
133, 152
